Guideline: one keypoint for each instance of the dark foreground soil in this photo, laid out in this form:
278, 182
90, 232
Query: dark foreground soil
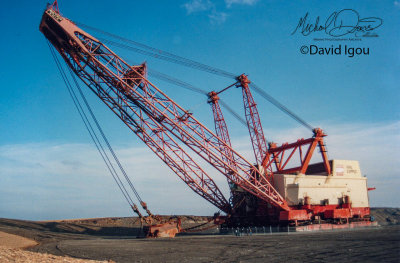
367, 245
99, 241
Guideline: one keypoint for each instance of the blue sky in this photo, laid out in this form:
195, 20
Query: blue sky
49, 167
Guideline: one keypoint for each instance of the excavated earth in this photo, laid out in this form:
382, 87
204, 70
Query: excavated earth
114, 240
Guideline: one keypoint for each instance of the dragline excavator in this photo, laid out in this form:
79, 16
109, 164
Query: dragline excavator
277, 193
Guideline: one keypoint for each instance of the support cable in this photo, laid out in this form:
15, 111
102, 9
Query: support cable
185, 85
175, 81
280, 106
231, 111
170, 57
163, 53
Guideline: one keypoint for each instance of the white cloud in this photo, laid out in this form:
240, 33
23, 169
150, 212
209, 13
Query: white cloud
218, 17
198, 6
54, 181
229, 3
215, 16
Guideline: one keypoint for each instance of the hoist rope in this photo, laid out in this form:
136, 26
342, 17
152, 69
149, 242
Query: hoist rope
87, 123
92, 132
104, 137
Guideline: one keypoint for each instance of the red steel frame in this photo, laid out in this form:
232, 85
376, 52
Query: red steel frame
152, 115
276, 155
221, 129
147, 129
256, 132
281, 159
266, 157
160, 123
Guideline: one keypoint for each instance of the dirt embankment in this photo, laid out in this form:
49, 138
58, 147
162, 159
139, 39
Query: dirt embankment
386, 216
44, 231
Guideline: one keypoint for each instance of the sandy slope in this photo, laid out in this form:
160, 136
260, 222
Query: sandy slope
14, 241
17, 255
10, 251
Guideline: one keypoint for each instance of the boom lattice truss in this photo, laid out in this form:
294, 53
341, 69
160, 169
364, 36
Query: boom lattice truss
156, 119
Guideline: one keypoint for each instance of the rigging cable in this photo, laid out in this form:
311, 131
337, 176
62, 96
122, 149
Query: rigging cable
170, 57
104, 137
280, 106
161, 53
231, 111
185, 85
92, 133
176, 81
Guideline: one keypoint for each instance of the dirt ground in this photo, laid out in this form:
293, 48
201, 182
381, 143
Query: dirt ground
11, 251
113, 239
15, 255
367, 245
